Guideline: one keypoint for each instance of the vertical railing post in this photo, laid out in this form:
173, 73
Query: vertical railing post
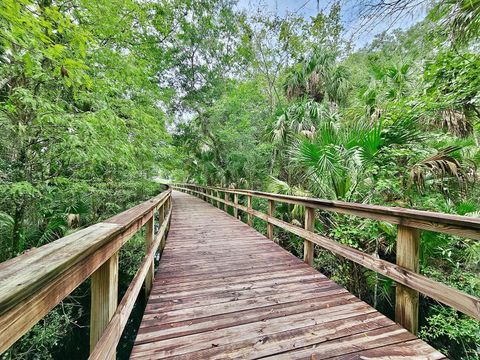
161, 216
218, 196
249, 206
235, 201
226, 198
406, 301
308, 247
271, 208
149, 235
104, 292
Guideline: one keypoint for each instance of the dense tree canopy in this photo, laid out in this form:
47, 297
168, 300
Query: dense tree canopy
99, 98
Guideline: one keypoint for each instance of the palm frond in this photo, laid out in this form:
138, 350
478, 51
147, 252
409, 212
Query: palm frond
440, 166
456, 122
55, 229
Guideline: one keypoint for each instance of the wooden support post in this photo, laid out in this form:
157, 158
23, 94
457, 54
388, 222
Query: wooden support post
406, 302
308, 247
271, 208
104, 291
226, 198
149, 236
235, 201
218, 202
249, 206
161, 219
167, 209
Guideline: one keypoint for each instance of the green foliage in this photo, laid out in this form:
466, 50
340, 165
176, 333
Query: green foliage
462, 16
46, 337
88, 91
81, 130
448, 324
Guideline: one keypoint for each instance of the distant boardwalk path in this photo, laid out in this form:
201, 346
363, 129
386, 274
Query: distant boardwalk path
225, 291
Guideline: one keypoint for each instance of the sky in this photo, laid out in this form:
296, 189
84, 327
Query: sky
350, 16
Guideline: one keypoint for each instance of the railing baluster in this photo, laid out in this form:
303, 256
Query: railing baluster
308, 247
149, 236
249, 206
218, 196
271, 208
104, 292
226, 198
235, 201
406, 302
161, 219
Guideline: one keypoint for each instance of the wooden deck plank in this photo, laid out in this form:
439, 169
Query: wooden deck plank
189, 326
235, 307
223, 290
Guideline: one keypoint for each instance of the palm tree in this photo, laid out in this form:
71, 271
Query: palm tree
315, 87
319, 78
334, 159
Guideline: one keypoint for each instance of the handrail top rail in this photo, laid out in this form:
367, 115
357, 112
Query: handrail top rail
25, 274
389, 212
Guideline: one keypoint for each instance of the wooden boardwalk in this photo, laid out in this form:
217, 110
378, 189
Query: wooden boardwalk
225, 291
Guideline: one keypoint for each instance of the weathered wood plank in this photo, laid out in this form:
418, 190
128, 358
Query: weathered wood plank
104, 290
249, 215
215, 321
353, 343
406, 299
149, 237
235, 209
201, 341
308, 246
271, 209
402, 350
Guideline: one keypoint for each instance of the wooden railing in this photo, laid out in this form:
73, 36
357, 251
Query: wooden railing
409, 223
32, 284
